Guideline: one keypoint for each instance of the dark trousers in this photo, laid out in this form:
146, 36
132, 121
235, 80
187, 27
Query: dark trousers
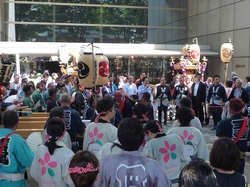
163, 109
242, 166
216, 113
198, 109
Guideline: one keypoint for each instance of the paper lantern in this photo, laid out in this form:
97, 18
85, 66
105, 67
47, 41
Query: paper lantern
102, 65
226, 52
91, 73
86, 70
194, 51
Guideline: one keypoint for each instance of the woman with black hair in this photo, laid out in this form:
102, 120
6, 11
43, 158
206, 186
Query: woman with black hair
101, 131
140, 112
225, 158
130, 168
192, 138
50, 165
168, 150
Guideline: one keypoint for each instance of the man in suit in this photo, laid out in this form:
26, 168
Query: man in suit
198, 97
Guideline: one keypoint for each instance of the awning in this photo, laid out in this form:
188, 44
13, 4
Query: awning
108, 49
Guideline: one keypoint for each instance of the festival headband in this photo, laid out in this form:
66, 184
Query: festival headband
235, 112
143, 116
99, 115
82, 170
49, 138
192, 111
159, 127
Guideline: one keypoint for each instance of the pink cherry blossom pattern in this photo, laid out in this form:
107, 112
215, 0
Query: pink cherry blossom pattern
167, 151
185, 137
46, 163
43, 168
95, 134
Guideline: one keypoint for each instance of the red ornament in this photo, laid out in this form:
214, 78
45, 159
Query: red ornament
104, 68
195, 54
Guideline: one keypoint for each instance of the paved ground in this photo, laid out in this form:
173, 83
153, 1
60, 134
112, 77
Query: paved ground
210, 138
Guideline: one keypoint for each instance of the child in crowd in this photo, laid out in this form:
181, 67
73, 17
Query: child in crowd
84, 169
225, 158
196, 174
168, 150
15, 154
193, 139
146, 100
109, 149
130, 168
101, 131
140, 112
195, 122
50, 165
57, 111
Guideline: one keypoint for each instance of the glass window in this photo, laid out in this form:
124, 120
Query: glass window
116, 21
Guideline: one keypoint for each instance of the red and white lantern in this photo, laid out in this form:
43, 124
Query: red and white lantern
194, 51
93, 72
102, 65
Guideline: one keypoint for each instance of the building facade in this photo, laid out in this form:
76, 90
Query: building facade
213, 22
145, 21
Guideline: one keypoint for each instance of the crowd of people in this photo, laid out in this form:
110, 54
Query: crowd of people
125, 145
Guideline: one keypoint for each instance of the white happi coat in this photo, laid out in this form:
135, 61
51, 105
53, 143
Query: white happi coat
109, 149
193, 140
52, 170
194, 123
98, 134
170, 153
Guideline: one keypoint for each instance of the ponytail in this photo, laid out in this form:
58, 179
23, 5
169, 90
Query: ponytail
51, 144
55, 131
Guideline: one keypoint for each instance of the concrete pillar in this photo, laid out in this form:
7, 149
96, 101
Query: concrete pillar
11, 26
2, 27
18, 64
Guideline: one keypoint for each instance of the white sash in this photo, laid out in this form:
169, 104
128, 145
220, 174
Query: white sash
11, 176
